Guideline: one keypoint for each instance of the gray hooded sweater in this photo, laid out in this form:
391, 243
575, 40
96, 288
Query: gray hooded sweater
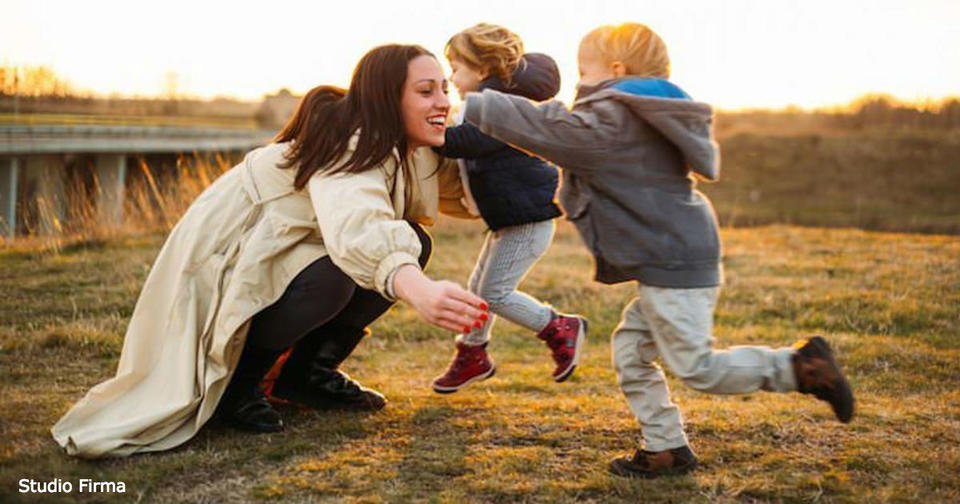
627, 163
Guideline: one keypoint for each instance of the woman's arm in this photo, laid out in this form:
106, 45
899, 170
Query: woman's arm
439, 302
360, 230
370, 244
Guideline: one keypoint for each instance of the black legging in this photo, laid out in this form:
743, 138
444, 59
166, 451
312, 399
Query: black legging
322, 297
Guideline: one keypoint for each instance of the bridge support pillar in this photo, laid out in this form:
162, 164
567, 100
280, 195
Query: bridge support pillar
9, 172
43, 174
111, 170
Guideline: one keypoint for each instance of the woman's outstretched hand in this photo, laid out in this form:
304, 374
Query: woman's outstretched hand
439, 302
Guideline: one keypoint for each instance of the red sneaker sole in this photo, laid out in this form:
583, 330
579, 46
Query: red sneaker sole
480, 377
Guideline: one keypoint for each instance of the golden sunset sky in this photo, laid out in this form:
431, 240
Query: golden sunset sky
734, 54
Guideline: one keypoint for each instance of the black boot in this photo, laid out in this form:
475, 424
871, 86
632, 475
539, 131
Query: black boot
310, 375
243, 404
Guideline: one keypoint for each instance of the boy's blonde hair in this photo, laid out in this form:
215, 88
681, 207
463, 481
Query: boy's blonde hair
642, 52
488, 48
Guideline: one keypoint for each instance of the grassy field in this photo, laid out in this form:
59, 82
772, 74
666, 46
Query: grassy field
889, 303
877, 179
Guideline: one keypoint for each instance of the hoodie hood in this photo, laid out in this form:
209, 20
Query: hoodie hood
537, 78
665, 107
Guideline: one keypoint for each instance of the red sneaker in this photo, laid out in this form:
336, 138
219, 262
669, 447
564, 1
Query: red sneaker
564, 335
471, 363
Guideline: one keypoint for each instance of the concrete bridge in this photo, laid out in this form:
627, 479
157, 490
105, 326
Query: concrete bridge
35, 159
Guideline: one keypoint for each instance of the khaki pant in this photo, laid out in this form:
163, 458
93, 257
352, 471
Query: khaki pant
676, 324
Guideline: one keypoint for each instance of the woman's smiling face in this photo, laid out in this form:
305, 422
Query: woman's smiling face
424, 104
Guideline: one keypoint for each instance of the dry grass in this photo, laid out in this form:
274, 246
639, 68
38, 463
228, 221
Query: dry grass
888, 302
879, 180
156, 195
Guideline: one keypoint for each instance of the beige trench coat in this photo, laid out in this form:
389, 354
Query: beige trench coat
232, 254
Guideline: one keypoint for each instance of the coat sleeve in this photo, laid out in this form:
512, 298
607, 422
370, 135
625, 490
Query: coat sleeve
573, 140
360, 230
466, 141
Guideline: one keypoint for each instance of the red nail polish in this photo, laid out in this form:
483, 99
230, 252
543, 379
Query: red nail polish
477, 324
484, 317
466, 329
483, 306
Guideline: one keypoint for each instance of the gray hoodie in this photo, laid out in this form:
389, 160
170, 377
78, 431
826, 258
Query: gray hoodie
627, 163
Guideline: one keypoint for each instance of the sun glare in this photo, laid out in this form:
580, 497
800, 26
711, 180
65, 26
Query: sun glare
736, 54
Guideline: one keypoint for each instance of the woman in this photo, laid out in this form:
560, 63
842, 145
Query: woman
312, 235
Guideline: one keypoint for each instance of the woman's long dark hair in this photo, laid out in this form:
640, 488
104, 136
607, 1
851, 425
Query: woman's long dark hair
328, 116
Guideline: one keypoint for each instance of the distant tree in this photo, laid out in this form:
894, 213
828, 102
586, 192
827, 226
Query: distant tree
171, 85
873, 104
33, 81
950, 113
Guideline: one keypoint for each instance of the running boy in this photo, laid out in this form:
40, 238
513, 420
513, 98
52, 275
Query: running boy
628, 149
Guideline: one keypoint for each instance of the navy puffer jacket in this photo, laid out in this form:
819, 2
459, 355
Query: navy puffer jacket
509, 187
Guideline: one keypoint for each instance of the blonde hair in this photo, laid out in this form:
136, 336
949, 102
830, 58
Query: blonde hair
642, 52
488, 48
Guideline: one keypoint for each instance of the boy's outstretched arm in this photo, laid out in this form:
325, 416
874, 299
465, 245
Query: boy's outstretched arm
573, 140
466, 141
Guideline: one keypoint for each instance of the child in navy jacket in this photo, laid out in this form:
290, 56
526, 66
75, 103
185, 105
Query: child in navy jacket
514, 194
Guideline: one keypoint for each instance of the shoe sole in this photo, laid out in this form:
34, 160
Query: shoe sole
617, 469
581, 335
480, 377
309, 401
254, 427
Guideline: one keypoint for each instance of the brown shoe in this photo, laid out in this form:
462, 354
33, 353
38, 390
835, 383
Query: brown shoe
646, 464
817, 373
